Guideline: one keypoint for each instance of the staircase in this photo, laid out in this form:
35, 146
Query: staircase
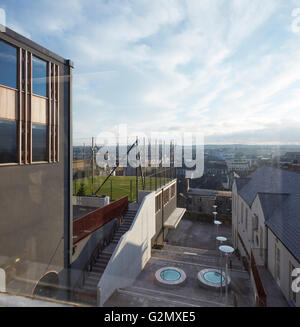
124, 227
88, 292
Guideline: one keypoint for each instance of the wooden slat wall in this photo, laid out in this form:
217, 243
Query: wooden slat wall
8, 104
39, 110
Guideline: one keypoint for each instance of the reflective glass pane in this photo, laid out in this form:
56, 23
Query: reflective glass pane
8, 65
8, 143
39, 143
39, 74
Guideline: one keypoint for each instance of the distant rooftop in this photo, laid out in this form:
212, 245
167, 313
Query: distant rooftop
208, 193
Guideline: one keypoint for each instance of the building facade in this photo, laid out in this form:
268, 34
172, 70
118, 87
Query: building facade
35, 166
266, 222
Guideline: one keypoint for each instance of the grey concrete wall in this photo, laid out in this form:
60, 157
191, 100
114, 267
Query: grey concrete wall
132, 252
84, 249
35, 199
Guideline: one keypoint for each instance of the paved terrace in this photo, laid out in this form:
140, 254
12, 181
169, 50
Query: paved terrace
200, 254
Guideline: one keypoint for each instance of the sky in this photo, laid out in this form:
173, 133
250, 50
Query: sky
228, 69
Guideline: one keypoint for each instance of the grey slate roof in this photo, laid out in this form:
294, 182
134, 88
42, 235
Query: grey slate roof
279, 194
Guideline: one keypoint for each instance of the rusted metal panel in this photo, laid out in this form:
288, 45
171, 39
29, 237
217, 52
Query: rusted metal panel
94, 220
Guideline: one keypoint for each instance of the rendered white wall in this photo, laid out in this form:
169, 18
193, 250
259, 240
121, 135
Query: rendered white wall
132, 252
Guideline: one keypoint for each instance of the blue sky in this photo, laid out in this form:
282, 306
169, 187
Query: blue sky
228, 69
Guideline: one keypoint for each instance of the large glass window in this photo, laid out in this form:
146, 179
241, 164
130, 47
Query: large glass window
8, 141
8, 65
39, 76
39, 143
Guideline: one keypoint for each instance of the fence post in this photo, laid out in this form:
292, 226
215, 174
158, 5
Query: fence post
131, 190
111, 190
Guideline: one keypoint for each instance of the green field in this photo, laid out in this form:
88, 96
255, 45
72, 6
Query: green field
116, 187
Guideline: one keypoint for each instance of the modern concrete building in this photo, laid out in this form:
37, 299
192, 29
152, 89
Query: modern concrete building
266, 222
35, 166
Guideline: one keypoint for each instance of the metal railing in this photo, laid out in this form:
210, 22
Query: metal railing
261, 300
116, 182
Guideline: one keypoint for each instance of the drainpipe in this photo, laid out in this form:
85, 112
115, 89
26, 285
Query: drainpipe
68, 228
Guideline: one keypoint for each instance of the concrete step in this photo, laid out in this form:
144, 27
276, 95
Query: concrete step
104, 255
98, 270
126, 223
122, 229
120, 233
100, 264
91, 283
90, 289
93, 275
100, 261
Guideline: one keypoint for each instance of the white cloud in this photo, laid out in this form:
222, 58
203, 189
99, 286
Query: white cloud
180, 64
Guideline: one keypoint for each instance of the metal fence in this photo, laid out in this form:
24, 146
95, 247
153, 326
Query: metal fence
88, 177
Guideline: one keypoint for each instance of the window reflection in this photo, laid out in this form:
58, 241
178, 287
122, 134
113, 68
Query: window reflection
8, 65
8, 141
39, 75
39, 143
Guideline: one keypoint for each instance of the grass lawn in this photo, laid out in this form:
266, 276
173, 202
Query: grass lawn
120, 186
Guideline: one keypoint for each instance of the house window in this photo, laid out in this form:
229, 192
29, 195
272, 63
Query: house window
39, 76
39, 143
8, 143
8, 65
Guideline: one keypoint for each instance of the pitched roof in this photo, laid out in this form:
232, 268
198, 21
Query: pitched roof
279, 193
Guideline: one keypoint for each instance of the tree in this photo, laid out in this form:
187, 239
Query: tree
81, 191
